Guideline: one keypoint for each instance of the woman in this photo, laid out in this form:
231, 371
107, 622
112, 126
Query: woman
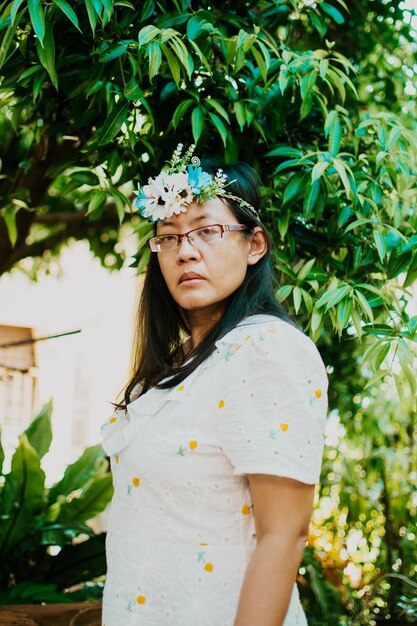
218, 447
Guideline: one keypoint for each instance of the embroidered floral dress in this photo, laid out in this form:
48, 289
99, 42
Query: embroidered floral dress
181, 526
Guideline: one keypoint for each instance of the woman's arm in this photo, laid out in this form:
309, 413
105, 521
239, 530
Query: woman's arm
282, 509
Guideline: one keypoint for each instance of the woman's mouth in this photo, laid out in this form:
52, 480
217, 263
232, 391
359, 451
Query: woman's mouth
190, 278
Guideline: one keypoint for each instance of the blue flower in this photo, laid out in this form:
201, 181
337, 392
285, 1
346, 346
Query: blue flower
141, 200
197, 179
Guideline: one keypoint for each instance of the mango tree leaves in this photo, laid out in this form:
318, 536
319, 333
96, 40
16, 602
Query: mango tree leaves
237, 89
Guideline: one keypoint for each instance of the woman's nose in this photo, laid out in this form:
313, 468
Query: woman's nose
187, 250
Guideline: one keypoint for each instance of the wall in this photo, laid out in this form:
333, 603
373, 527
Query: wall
84, 372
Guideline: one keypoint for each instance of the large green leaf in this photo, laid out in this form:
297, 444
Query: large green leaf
22, 497
39, 432
93, 500
91, 462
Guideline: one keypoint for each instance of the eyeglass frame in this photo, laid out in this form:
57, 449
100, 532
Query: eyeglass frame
224, 228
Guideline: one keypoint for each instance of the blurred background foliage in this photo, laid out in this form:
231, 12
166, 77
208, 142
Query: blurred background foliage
319, 96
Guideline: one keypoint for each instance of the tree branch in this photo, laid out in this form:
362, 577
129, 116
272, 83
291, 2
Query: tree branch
50, 243
67, 217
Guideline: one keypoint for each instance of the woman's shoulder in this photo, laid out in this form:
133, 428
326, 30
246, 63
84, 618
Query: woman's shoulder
258, 328
269, 338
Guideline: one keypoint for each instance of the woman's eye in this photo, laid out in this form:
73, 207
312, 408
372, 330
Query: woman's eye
207, 231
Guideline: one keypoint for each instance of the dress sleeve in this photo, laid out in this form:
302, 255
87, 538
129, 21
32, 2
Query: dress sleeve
272, 404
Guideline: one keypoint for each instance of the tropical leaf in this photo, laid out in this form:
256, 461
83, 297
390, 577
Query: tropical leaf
91, 463
22, 496
39, 431
92, 501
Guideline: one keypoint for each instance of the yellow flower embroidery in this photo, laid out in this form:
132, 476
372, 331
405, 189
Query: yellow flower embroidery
272, 331
246, 509
203, 544
193, 444
116, 458
238, 347
141, 599
113, 420
318, 393
284, 427
209, 567
136, 481
247, 337
181, 388
221, 404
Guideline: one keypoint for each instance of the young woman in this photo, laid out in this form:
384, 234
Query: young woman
218, 446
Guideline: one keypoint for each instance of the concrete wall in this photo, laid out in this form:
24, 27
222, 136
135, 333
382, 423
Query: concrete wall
83, 372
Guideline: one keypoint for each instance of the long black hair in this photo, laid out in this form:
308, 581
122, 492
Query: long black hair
162, 324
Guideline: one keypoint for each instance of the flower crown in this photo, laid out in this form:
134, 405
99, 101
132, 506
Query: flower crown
183, 182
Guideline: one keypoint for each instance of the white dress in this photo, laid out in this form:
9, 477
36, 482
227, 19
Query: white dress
181, 524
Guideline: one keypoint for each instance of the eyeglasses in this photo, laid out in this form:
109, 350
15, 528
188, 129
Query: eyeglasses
197, 237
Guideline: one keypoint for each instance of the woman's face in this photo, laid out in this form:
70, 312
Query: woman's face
201, 277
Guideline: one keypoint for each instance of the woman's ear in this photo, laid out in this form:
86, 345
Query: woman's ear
258, 246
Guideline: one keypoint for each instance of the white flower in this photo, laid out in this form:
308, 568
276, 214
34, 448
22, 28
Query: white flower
165, 195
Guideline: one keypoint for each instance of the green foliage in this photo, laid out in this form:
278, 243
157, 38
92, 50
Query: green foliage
46, 545
366, 514
278, 85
